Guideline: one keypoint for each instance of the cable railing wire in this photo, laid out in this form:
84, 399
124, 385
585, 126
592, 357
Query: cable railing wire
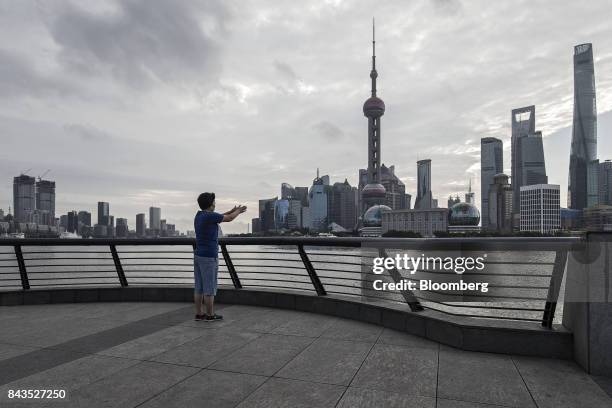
271, 262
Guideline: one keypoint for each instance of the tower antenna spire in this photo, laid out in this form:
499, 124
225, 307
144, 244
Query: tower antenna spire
373, 73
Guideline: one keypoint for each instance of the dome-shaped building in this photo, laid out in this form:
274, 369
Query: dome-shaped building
373, 216
463, 217
371, 222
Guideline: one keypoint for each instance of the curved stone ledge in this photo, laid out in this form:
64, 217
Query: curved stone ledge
485, 335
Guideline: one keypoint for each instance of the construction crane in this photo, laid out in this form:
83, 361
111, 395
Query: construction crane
25, 171
43, 175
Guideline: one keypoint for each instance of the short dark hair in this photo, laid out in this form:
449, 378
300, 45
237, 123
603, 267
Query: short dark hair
205, 200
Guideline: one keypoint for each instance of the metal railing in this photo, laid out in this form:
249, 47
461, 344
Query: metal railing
523, 286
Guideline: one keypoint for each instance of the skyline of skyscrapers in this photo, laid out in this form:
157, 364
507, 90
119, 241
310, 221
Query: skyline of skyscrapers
584, 127
588, 181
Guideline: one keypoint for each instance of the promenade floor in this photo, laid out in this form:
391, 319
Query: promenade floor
154, 355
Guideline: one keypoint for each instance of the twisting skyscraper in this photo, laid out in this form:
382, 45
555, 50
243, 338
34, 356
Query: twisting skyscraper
584, 131
374, 192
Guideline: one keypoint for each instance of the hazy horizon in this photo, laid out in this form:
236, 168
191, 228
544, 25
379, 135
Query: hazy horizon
149, 103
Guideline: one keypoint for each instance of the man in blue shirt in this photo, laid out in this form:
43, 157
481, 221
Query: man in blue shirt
205, 256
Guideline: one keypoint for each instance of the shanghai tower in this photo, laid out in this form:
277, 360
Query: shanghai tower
584, 129
373, 192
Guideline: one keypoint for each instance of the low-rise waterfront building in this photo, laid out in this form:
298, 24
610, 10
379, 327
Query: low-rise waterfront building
540, 209
425, 222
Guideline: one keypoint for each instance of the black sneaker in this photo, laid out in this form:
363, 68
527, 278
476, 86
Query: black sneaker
213, 318
199, 318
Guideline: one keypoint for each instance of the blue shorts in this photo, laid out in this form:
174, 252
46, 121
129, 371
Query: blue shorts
205, 270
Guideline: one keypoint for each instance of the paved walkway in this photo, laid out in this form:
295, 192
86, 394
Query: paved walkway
153, 355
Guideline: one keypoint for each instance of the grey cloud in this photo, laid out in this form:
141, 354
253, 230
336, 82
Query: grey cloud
285, 70
328, 130
142, 42
449, 73
87, 133
19, 78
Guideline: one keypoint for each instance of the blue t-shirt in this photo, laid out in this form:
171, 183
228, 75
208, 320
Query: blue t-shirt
206, 224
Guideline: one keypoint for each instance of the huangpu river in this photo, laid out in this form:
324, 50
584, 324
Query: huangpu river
515, 279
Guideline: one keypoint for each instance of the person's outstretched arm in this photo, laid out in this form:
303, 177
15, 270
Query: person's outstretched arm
231, 211
234, 213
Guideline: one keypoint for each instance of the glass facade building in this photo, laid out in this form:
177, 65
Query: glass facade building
24, 198
584, 129
491, 163
424, 198
528, 164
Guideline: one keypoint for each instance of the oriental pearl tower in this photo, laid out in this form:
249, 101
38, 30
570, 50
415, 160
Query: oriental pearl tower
373, 193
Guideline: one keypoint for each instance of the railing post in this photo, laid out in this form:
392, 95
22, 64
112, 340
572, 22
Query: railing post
408, 296
230, 267
118, 267
553, 289
25, 282
314, 278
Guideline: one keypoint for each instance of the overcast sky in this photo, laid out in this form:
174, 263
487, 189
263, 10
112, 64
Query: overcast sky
148, 103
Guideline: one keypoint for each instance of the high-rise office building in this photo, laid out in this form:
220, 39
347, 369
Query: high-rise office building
121, 230
306, 222
301, 193
373, 193
85, 218
540, 208
103, 213
592, 183
528, 164
45, 201
72, 222
281, 213
287, 191
319, 203
141, 225
155, 219
584, 128
604, 183
63, 221
110, 228
255, 228
24, 198
424, 200
523, 124
343, 205
499, 205
532, 166
294, 217
266, 214
491, 163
